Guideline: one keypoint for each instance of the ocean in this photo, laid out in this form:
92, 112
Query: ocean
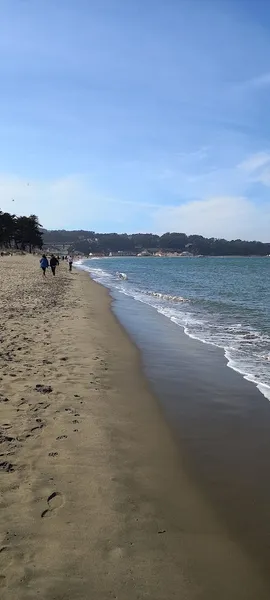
222, 301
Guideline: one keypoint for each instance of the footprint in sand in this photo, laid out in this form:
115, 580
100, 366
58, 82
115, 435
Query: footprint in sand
2, 399
5, 557
54, 501
37, 427
5, 562
7, 467
5, 438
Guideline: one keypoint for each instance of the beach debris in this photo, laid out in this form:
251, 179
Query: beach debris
121, 275
44, 389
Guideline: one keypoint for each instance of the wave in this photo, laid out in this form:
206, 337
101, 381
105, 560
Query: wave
167, 297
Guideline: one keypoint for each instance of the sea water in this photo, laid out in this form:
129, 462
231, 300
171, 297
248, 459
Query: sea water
223, 301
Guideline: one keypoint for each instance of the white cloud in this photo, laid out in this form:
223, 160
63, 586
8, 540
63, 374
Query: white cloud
225, 216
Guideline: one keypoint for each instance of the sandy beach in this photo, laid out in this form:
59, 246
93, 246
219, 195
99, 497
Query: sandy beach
95, 500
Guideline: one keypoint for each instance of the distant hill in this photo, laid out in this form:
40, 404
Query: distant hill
86, 242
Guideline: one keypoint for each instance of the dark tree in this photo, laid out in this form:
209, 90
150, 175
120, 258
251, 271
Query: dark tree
20, 232
28, 233
7, 229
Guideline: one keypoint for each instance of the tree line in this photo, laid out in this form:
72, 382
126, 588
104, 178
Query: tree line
26, 233
20, 233
87, 242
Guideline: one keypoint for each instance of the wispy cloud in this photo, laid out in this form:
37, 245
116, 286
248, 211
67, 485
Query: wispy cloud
72, 201
196, 155
255, 162
259, 81
257, 167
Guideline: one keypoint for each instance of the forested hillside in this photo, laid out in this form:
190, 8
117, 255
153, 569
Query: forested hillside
103, 243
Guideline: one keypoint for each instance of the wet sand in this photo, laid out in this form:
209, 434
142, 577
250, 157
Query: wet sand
221, 423
95, 498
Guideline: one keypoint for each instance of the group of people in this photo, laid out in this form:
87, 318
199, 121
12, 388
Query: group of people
54, 261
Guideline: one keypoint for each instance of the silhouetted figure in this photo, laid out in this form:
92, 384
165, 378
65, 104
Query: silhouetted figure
70, 262
44, 264
53, 263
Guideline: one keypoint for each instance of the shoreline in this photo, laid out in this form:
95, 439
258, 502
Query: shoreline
99, 501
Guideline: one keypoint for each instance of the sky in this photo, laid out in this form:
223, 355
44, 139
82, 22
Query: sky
137, 115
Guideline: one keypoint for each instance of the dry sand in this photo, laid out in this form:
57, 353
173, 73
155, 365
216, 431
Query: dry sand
95, 503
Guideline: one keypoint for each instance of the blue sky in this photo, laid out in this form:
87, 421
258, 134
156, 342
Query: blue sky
137, 115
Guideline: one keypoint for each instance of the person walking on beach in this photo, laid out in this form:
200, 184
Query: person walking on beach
44, 264
53, 263
70, 262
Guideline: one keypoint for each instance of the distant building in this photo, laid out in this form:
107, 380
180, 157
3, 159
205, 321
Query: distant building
145, 253
123, 253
